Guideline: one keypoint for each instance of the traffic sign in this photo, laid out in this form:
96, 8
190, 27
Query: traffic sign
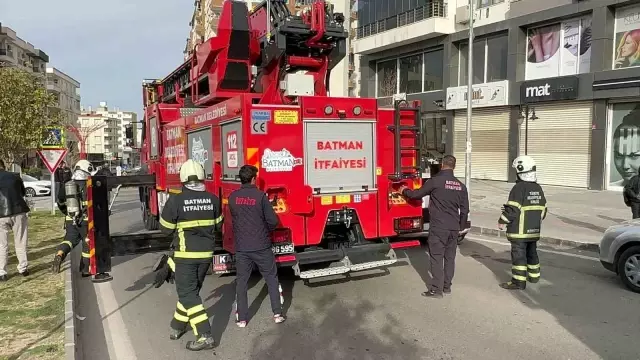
52, 157
53, 138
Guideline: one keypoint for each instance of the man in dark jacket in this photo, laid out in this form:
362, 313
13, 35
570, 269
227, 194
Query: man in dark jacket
631, 195
253, 220
61, 176
449, 211
13, 216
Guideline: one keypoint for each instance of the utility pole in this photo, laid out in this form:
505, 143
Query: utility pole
467, 163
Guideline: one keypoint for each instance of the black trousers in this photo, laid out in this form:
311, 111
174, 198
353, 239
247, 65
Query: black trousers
442, 246
525, 263
635, 210
266, 263
189, 277
73, 236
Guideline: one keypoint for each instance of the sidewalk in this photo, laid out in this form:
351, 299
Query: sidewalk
576, 217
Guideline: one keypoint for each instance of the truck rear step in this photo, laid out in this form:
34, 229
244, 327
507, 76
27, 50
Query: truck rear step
346, 265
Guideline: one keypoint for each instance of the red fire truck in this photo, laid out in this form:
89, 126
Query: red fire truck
331, 166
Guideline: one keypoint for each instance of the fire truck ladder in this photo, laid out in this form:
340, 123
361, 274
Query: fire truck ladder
405, 172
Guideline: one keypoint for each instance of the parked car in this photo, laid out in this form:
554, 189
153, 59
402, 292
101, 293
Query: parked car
36, 187
620, 252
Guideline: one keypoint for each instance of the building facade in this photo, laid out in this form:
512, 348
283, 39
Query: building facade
15, 51
204, 24
67, 92
557, 80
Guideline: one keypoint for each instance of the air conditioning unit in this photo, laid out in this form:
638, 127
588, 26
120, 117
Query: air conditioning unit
462, 14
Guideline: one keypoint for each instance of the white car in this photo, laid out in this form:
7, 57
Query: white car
35, 187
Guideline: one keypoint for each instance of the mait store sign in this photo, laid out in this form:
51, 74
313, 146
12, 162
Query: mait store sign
549, 89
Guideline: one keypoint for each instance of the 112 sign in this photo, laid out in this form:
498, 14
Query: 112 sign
232, 140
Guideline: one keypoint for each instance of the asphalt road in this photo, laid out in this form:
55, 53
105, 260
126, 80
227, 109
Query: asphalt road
578, 311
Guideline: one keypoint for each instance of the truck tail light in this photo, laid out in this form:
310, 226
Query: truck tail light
407, 224
281, 236
278, 199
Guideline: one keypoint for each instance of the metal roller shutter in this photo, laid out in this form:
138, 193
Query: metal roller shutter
560, 143
490, 143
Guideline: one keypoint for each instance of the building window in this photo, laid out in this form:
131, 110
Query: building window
559, 49
489, 60
411, 74
487, 3
626, 52
433, 70
387, 75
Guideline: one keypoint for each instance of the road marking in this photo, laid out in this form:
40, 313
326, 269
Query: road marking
120, 345
585, 257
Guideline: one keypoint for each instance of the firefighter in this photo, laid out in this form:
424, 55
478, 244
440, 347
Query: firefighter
522, 215
253, 221
72, 202
193, 217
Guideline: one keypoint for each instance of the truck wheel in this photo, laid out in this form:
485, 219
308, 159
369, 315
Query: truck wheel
629, 268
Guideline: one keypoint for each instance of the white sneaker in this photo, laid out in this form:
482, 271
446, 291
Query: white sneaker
278, 319
241, 324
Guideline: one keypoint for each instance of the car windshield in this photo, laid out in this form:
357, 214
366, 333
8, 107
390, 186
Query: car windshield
28, 178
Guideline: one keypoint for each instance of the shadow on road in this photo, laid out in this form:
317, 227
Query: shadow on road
601, 317
339, 332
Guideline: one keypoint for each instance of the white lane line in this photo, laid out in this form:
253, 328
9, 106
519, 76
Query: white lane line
473, 238
120, 344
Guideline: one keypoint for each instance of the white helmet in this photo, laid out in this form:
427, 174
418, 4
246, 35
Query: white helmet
191, 171
82, 170
524, 164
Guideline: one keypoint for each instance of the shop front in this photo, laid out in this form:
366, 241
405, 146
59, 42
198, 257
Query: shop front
623, 145
489, 129
555, 129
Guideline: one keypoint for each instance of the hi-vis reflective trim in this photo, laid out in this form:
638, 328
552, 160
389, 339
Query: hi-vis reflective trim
504, 218
192, 224
252, 157
66, 242
523, 211
519, 267
533, 266
172, 266
519, 278
175, 191
85, 218
195, 309
523, 236
534, 275
192, 255
181, 307
86, 255
198, 319
513, 203
85, 203
167, 224
180, 318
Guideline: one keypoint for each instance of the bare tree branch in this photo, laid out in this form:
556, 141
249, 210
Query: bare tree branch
387, 87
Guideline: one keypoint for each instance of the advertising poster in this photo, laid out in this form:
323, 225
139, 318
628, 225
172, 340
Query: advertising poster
625, 144
627, 38
559, 49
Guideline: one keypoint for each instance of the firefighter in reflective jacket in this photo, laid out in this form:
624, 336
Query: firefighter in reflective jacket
522, 215
72, 202
193, 217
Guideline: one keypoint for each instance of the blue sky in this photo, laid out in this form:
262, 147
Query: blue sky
108, 46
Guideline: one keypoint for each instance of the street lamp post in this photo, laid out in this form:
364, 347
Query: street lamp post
526, 113
467, 168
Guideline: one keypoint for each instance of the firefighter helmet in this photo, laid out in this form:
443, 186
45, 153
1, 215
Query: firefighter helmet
191, 171
524, 164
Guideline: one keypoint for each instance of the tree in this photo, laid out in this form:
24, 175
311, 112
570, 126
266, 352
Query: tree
82, 134
24, 112
387, 87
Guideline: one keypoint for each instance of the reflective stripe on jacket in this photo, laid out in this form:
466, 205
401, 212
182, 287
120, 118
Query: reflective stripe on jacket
193, 218
524, 212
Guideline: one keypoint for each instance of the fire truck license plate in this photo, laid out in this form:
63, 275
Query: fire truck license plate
223, 262
280, 249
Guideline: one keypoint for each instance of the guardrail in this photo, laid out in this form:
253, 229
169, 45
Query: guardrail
433, 8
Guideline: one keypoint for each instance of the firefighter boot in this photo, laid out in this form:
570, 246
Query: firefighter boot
175, 334
56, 264
204, 342
510, 285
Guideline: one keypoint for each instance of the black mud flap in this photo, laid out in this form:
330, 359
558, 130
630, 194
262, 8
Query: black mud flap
131, 244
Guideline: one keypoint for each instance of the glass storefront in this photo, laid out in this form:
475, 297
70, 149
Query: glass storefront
623, 144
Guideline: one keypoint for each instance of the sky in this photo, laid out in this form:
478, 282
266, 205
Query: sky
108, 46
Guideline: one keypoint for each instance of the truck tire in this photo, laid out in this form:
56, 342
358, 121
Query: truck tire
150, 220
629, 255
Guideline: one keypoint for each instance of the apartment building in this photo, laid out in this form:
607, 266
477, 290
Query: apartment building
17, 52
204, 24
104, 129
557, 80
67, 92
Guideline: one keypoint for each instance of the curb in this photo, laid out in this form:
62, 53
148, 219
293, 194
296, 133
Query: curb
70, 333
543, 239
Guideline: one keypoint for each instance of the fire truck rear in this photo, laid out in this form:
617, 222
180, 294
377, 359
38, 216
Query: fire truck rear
257, 94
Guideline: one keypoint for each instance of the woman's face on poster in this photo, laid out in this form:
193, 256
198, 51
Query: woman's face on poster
626, 151
629, 47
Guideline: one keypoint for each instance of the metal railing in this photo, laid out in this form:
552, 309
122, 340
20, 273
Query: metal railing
434, 8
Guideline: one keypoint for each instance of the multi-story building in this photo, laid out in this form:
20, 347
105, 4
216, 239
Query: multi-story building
15, 51
101, 133
67, 92
204, 24
557, 80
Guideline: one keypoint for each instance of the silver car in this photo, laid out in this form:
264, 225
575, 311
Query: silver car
620, 252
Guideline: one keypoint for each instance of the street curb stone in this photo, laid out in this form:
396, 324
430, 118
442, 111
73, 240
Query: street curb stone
70, 333
544, 239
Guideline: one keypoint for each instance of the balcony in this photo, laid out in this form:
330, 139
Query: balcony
6, 53
411, 26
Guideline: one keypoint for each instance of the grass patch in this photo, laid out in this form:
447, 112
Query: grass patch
32, 308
